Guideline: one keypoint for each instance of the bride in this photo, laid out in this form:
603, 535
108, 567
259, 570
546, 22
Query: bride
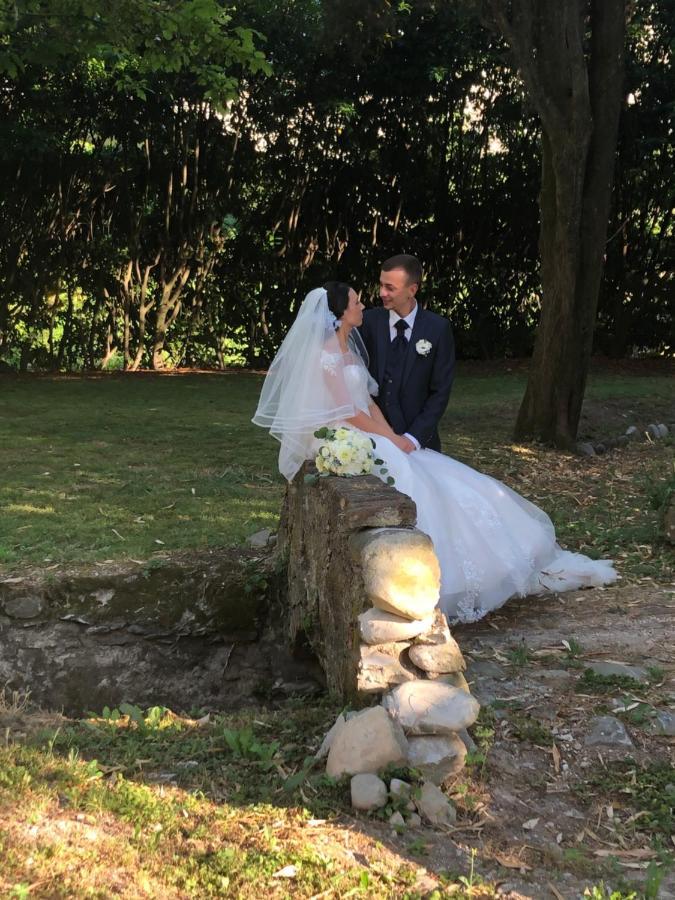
491, 543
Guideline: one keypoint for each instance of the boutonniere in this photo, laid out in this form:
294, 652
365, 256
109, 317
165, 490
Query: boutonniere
423, 347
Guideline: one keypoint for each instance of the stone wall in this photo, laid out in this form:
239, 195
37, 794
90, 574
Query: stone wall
349, 544
325, 586
363, 586
195, 631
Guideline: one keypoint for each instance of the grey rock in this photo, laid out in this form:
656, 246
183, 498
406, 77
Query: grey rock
665, 722
469, 742
382, 665
622, 441
607, 731
260, 539
632, 432
437, 756
546, 711
399, 788
431, 707
368, 792
501, 760
610, 667
434, 807
600, 448
583, 448
143, 630
25, 607
551, 676
483, 668
414, 820
657, 431
454, 679
438, 657
396, 820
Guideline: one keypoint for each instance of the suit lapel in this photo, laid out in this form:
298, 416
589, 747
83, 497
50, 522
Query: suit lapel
417, 332
383, 339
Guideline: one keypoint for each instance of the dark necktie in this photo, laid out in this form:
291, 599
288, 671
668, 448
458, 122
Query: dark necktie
400, 342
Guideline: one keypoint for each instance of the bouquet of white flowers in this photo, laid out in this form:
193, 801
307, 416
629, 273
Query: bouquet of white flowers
347, 452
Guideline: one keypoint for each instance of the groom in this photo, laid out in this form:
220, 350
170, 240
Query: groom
412, 355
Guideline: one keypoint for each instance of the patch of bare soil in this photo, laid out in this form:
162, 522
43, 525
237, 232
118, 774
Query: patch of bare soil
539, 825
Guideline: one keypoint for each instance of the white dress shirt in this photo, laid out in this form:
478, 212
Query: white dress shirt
410, 319
394, 318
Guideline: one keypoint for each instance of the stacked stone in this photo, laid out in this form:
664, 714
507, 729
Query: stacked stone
363, 744
407, 654
418, 666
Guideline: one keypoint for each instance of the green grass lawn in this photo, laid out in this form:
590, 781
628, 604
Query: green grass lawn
133, 466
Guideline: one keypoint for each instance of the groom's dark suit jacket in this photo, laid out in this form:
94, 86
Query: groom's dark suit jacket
424, 382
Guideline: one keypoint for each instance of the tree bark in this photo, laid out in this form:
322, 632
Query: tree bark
167, 311
570, 56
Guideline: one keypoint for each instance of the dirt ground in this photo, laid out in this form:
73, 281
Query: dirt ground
539, 829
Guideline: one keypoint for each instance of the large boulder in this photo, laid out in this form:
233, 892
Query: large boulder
327, 742
367, 742
431, 707
400, 569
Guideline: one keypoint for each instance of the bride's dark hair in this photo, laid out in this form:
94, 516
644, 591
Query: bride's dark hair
338, 297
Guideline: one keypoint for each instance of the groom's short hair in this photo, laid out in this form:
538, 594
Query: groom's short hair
410, 265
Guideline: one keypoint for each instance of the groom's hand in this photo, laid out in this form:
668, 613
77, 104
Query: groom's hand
405, 444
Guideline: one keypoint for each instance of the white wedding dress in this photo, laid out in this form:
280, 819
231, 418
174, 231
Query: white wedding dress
491, 543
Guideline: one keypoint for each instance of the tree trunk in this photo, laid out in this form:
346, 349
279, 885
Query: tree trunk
575, 84
168, 309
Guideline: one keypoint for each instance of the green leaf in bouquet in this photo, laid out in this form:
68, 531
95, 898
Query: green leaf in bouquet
311, 479
390, 480
378, 462
322, 433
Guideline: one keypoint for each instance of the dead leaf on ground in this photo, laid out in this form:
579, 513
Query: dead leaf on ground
510, 863
556, 758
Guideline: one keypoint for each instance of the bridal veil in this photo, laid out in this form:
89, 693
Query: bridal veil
305, 387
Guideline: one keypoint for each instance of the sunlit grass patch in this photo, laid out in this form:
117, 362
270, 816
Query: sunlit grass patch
126, 467
95, 808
